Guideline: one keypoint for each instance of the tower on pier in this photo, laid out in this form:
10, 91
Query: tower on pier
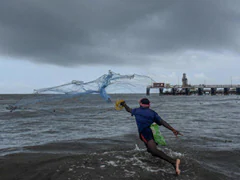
184, 80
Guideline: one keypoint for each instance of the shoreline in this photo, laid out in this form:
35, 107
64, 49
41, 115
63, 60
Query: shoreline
100, 160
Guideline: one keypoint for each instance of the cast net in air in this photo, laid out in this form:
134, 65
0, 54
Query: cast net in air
104, 85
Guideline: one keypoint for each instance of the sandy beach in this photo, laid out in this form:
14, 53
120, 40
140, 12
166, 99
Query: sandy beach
101, 161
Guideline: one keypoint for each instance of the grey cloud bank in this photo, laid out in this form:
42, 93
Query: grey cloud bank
92, 32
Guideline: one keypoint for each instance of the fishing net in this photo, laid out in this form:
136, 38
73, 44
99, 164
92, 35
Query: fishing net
104, 85
118, 105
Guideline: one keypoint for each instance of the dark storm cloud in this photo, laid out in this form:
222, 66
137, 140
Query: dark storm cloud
70, 33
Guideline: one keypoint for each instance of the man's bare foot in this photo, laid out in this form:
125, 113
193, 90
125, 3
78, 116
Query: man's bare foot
177, 167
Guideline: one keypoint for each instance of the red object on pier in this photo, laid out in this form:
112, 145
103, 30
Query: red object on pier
156, 85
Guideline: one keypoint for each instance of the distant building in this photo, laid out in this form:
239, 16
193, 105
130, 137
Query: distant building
184, 80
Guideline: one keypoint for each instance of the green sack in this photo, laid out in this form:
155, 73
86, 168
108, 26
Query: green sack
158, 137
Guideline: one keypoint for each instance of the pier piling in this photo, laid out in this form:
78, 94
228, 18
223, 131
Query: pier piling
174, 91
213, 91
238, 91
226, 91
148, 91
187, 91
160, 91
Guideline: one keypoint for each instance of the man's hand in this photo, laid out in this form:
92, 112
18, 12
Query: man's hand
123, 103
128, 109
176, 133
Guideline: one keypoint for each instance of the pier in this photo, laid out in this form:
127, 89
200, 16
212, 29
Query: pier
201, 89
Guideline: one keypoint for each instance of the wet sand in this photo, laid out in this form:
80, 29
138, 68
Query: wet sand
82, 167
104, 160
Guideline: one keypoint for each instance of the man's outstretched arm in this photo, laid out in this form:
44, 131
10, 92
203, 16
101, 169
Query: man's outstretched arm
128, 109
166, 125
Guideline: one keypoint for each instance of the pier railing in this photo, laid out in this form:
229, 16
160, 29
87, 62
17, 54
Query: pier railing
199, 86
198, 89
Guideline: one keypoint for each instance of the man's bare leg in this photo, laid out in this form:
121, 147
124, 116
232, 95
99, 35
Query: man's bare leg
177, 167
152, 148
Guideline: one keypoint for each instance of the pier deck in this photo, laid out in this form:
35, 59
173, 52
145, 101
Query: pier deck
194, 89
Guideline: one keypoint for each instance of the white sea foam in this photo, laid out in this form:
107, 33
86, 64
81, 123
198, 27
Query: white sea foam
112, 163
173, 153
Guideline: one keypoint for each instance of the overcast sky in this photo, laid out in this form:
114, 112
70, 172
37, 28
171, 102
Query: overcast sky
49, 42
